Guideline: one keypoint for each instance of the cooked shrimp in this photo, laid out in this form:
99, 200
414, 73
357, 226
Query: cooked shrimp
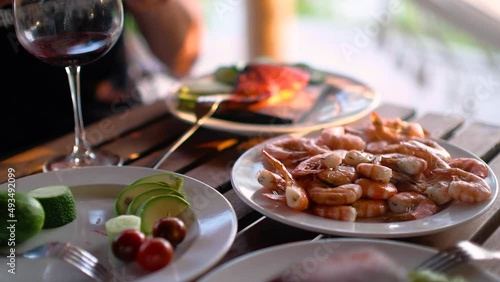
409, 186
425, 152
308, 166
275, 196
343, 213
368, 133
296, 197
333, 159
355, 157
402, 163
375, 189
396, 130
471, 165
438, 192
338, 176
331, 138
370, 207
465, 186
287, 148
374, 172
410, 206
317, 163
340, 195
314, 148
271, 180
382, 147
435, 147
341, 152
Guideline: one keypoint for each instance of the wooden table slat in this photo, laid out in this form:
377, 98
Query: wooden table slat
265, 233
108, 129
136, 143
479, 138
440, 126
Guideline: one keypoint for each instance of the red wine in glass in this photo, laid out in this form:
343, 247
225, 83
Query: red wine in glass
71, 49
70, 34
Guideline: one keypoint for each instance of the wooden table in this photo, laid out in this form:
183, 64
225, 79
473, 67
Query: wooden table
141, 134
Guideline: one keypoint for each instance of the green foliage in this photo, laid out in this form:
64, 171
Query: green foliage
315, 9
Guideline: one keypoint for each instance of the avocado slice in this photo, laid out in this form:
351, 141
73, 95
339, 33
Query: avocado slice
128, 194
169, 179
144, 196
158, 207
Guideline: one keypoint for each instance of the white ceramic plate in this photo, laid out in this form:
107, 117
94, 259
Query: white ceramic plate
245, 184
265, 264
211, 218
353, 101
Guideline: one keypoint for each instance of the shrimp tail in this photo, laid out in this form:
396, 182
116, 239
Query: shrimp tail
296, 197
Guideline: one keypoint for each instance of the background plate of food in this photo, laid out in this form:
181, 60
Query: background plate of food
384, 181
289, 98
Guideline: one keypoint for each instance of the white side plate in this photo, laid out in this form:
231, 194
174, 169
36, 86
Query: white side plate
211, 218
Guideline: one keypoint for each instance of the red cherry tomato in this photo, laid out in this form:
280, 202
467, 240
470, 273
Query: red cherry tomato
155, 253
171, 228
126, 244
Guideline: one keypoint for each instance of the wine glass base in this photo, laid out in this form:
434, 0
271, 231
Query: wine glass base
94, 158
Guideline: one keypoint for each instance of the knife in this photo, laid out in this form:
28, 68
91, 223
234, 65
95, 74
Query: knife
323, 103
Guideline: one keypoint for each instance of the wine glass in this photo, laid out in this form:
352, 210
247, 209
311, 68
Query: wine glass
70, 34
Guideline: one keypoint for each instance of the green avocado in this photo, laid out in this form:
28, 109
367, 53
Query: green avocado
127, 195
158, 207
139, 199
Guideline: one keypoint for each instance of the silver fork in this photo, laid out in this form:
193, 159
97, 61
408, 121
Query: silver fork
462, 252
81, 259
205, 107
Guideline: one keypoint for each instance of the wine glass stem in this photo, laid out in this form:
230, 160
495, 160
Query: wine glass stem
81, 146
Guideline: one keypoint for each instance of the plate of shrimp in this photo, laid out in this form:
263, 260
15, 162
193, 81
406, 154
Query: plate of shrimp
388, 179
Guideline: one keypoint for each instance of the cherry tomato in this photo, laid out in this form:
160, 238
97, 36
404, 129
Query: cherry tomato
155, 253
171, 228
126, 244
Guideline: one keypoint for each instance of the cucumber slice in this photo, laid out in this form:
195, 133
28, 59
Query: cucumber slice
117, 224
139, 199
158, 207
58, 203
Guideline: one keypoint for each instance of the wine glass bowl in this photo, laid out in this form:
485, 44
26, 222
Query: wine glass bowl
71, 34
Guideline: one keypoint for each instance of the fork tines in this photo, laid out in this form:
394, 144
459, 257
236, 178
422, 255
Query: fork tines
85, 262
445, 259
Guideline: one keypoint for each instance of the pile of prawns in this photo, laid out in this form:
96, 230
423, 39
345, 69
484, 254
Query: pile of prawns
390, 169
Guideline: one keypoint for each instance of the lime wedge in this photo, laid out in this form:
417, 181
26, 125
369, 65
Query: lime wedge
58, 203
158, 207
21, 217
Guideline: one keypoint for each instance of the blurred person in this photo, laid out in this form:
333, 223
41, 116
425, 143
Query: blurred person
38, 107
